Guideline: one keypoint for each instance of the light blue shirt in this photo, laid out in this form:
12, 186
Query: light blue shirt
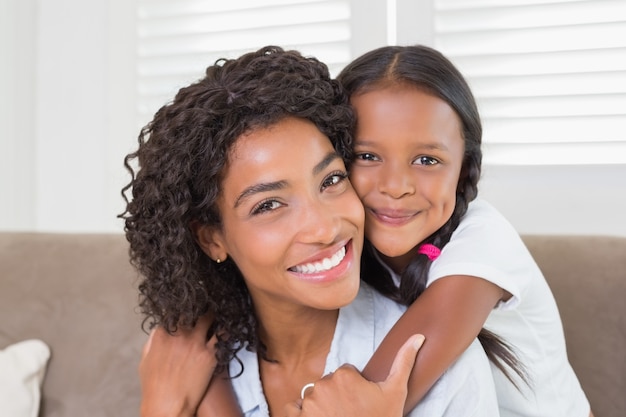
466, 389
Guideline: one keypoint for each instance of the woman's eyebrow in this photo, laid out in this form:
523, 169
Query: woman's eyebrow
330, 157
259, 188
277, 185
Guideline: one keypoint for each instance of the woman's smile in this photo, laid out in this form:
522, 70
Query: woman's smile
327, 268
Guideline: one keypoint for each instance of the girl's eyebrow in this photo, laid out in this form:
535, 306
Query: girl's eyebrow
427, 145
277, 185
434, 146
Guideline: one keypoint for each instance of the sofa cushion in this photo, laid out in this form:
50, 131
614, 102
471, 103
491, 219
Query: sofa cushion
22, 370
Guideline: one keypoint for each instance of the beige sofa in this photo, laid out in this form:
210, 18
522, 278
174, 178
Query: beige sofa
78, 294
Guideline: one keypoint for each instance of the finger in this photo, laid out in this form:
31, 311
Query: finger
211, 350
144, 352
293, 409
211, 343
146, 346
405, 359
206, 357
204, 322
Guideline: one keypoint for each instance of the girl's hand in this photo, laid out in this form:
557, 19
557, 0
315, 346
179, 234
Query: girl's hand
220, 399
345, 392
175, 370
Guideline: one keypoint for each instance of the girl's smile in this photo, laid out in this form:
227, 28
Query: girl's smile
392, 217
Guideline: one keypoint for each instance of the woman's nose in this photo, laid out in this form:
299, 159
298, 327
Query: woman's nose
319, 223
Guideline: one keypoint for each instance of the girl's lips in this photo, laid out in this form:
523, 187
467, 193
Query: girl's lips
343, 261
393, 217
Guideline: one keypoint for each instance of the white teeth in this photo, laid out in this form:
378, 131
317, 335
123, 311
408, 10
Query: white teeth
323, 265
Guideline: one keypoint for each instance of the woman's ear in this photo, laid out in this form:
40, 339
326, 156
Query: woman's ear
211, 241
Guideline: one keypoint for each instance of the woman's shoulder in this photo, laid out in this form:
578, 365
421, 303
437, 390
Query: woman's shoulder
375, 311
384, 312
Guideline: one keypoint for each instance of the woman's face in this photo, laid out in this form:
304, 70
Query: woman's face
291, 220
409, 152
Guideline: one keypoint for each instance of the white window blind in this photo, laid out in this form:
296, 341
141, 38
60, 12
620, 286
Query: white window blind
178, 39
549, 76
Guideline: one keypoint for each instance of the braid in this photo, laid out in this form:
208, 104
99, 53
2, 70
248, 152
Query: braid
413, 283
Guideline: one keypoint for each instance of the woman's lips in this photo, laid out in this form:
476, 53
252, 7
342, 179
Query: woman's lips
326, 273
323, 264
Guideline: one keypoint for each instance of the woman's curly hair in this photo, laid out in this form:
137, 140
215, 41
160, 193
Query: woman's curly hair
430, 71
177, 178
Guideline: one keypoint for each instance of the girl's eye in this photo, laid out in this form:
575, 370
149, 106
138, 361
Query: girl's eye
334, 179
265, 206
366, 156
426, 160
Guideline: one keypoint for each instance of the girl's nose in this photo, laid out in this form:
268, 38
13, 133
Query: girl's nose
396, 181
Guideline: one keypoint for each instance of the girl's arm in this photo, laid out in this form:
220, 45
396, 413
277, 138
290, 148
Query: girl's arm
449, 313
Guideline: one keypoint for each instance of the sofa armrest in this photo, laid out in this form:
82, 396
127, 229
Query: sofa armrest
76, 293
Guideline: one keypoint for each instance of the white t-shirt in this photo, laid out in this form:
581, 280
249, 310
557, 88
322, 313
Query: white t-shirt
486, 245
465, 389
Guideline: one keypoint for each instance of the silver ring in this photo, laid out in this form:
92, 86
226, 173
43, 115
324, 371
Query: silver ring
306, 387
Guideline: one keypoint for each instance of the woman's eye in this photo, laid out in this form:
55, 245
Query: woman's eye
334, 179
426, 160
265, 206
366, 156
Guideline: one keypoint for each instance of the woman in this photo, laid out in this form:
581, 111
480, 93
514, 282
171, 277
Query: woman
241, 206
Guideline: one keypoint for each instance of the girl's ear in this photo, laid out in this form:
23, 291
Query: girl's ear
211, 241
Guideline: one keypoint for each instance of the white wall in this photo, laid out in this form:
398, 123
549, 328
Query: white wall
18, 30
68, 117
564, 199
67, 83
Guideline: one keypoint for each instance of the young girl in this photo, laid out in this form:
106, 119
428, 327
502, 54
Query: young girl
431, 244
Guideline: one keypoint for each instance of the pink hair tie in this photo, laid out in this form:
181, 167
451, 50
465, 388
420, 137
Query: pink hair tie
429, 250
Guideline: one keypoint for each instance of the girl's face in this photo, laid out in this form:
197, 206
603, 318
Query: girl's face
409, 153
291, 220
